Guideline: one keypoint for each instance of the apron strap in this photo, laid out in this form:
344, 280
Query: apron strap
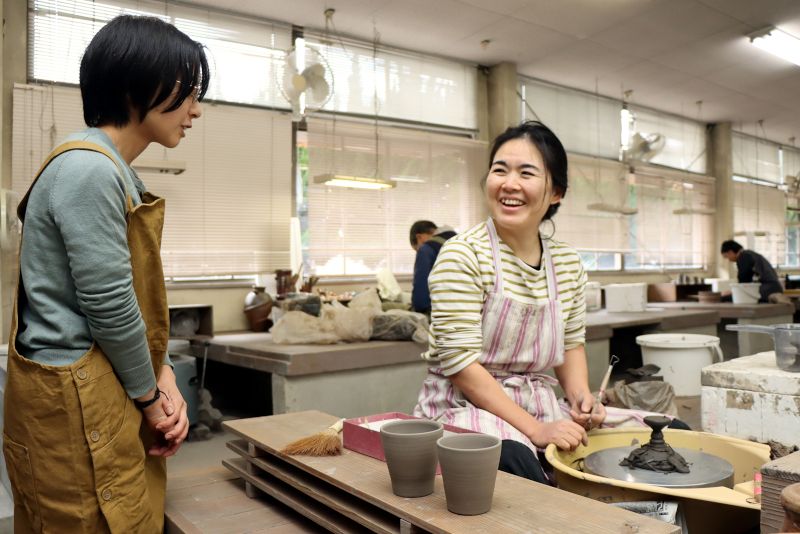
66, 147
550, 271
498, 267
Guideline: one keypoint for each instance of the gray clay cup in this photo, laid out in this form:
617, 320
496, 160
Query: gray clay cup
410, 450
469, 469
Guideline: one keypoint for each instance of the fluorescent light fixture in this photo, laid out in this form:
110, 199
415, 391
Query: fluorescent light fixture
694, 211
609, 208
159, 166
777, 42
354, 182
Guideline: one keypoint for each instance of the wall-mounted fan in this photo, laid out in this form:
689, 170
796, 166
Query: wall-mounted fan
643, 147
306, 80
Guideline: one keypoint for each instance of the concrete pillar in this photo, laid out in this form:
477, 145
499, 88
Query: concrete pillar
13, 69
720, 165
504, 104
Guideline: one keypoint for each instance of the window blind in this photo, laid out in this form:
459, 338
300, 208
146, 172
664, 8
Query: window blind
352, 232
685, 139
759, 219
585, 124
408, 86
656, 237
756, 158
244, 54
228, 213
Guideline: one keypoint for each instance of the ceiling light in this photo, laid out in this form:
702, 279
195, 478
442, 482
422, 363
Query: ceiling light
354, 182
609, 208
159, 166
694, 211
777, 42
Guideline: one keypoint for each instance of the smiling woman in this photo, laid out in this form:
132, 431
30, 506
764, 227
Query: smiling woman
507, 305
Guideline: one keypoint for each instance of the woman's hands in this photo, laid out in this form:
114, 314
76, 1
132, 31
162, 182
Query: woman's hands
564, 434
167, 417
585, 411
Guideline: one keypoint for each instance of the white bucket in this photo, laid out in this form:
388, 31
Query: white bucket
681, 358
626, 297
746, 293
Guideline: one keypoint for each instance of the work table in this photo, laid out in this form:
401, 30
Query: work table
601, 323
729, 310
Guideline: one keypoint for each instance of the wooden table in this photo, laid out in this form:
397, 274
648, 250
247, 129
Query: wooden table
352, 492
213, 500
303, 377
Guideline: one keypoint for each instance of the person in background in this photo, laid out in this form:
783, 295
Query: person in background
753, 267
92, 409
426, 239
507, 305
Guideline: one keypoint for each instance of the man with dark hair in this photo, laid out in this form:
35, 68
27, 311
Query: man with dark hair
427, 239
753, 267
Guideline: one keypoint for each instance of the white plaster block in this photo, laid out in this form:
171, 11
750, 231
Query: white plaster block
751, 415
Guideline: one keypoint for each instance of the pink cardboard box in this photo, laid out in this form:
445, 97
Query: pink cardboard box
367, 441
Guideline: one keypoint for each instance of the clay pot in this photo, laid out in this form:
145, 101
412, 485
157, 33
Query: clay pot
709, 296
410, 450
257, 307
469, 469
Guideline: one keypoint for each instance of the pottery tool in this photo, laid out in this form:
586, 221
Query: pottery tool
325, 443
603, 385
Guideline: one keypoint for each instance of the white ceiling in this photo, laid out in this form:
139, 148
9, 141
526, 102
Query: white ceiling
671, 53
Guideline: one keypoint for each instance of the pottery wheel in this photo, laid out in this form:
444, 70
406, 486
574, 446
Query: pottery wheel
706, 470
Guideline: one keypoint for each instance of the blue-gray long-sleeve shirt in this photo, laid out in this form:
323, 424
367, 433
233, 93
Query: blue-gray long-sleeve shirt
75, 266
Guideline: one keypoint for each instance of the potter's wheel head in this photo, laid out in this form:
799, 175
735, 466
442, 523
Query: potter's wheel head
706, 470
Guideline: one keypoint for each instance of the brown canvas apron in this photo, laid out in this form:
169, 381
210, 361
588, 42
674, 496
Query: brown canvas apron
74, 443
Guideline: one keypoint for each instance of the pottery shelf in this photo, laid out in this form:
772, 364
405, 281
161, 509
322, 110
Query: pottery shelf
352, 492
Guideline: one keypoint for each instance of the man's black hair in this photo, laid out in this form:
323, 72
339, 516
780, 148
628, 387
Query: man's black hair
421, 227
730, 246
133, 65
551, 149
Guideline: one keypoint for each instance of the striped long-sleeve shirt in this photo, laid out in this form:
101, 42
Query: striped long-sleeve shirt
464, 273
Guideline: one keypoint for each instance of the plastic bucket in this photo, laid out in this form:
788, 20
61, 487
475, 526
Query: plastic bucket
746, 293
681, 358
626, 297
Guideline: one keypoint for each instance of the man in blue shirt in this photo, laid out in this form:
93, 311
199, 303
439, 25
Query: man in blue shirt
426, 239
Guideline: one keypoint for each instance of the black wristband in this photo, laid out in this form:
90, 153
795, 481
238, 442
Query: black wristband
144, 404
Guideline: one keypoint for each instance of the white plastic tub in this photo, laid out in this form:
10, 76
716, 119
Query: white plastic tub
681, 357
626, 297
746, 293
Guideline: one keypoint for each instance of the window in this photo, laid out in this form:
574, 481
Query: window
684, 139
357, 232
243, 54
792, 231
585, 123
408, 86
759, 219
757, 159
672, 228
235, 156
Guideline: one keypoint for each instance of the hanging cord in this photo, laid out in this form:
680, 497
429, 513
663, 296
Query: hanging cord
375, 40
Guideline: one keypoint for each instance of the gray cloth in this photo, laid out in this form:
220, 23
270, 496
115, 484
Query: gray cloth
76, 269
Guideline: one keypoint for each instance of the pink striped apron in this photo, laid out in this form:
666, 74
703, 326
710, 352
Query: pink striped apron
520, 342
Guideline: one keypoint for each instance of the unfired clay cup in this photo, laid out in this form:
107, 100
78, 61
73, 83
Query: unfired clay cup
469, 469
410, 450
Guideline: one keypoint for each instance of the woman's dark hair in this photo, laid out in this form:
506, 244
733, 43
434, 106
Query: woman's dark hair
553, 154
133, 64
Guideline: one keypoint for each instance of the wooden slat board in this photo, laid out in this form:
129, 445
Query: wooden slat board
519, 505
213, 500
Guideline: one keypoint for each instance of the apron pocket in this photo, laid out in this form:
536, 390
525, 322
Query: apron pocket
23, 483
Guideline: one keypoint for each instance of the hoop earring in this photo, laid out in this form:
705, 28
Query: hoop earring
552, 226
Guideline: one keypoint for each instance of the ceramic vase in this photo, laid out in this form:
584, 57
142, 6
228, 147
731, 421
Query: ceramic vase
410, 450
469, 465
